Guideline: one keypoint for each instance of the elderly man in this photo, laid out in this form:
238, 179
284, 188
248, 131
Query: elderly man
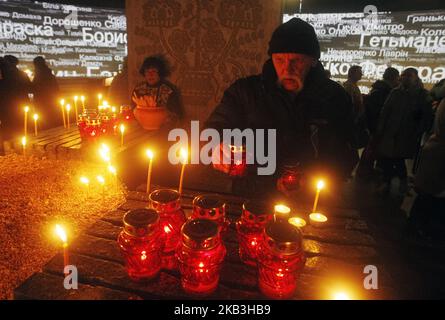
311, 113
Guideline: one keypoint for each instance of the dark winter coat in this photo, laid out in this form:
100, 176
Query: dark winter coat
314, 127
405, 116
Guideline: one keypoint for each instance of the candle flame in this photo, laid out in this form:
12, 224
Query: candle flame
149, 154
320, 185
112, 169
167, 229
99, 96
85, 180
23, 141
113, 109
26, 109
62, 102
318, 217
184, 155
297, 222
76, 98
281, 208
61, 234
101, 180
82, 98
201, 265
104, 152
341, 296
122, 128
68, 107
36, 116
105, 104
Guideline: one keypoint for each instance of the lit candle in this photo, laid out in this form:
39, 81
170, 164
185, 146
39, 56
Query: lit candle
82, 98
320, 186
101, 181
85, 181
68, 108
26, 109
75, 106
184, 156
113, 110
62, 105
150, 157
35, 117
113, 172
99, 98
297, 222
281, 212
317, 219
122, 129
24, 145
63, 237
341, 295
104, 152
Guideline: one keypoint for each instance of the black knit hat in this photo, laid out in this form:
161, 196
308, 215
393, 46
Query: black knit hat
295, 36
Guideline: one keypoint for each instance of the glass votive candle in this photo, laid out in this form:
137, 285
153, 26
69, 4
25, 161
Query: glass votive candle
167, 203
256, 214
280, 260
297, 222
317, 219
238, 163
292, 177
211, 207
140, 244
200, 256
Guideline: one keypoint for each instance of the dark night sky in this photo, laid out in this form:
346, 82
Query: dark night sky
309, 5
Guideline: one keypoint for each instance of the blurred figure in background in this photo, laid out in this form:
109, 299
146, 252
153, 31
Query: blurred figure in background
429, 179
118, 93
351, 86
373, 105
405, 116
16, 86
46, 91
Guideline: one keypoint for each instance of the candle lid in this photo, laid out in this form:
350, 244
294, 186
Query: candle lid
141, 222
165, 200
200, 234
283, 238
210, 206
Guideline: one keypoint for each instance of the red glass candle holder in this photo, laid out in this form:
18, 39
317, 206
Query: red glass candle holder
256, 214
280, 260
200, 256
211, 207
238, 163
140, 244
167, 203
126, 113
292, 177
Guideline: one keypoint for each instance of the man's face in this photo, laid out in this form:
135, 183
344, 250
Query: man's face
292, 69
358, 74
152, 76
408, 79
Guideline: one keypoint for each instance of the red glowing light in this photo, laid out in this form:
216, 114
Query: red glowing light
167, 229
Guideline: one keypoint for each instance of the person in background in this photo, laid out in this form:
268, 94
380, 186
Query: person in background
312, 114
429, 179
405, 116
17, 86
118, 91
373, 105
351, 86
156, 91
46, 91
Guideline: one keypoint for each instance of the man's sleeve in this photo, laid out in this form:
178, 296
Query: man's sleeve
229, 113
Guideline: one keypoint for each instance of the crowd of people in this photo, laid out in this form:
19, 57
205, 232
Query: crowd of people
18, 90
320, 124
